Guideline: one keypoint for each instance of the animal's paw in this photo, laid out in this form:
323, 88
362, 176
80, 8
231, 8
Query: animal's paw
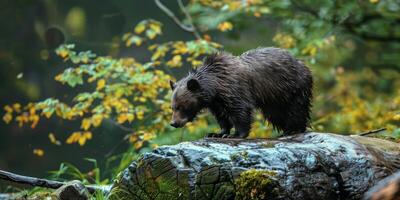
213, 135
227, 136
238, 136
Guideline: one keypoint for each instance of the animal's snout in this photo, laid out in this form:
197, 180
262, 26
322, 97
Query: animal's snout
174, 124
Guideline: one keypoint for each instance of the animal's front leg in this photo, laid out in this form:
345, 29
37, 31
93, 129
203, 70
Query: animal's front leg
225, 125
242, 124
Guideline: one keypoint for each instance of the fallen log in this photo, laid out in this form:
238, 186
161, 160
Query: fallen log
304, 166
45, 183
65, 190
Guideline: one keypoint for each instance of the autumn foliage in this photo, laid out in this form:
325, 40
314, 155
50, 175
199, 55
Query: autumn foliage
136, 95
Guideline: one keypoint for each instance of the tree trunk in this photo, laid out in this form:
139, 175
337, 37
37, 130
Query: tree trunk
303, 166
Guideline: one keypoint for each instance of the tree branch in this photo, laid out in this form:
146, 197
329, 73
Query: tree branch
368, 36
372, 132
122, 127
170, 14
182, 7
351, 26
39, 182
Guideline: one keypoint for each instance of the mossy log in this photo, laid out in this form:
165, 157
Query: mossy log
304, 166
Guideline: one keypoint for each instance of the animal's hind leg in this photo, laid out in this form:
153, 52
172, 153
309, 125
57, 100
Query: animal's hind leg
299, 115
277, 120
290, 120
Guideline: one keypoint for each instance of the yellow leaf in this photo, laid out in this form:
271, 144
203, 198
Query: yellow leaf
32, 110
7, 117
130, 117
138, 144
373, 1
53, 139
63, 53
310, 50
17, 107
284, 40
79, 137
225, 26
97, 119
91, 79
8, 108
47, 114
82, 141
58, 77
207, 37
34, 119
257, 14
132, 138
196, 62
148, 136
396, 117
100, 84
139, 28
176, 61
86, 123
140, 114
142, 99
86, 136
155, 27
122, 118
73, 137
38, 152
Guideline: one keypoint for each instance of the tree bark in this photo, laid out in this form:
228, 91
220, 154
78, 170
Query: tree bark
386, 189
303, 166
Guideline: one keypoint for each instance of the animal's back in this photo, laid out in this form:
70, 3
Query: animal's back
281, 86
272, 71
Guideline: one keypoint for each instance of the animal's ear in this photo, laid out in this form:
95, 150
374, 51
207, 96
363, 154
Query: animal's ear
193, 85
172, 84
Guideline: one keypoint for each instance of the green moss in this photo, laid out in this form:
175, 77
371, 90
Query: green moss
256, 185
237, 156
35, 193
120, 193
269, 144
234, 156
163, 187
169, 189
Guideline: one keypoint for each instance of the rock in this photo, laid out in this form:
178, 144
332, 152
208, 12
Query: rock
386, 189
73, 190
5, 196
303, 166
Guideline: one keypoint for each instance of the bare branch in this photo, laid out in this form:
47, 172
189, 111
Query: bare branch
170, 14
372, 132
183, 8
39, 182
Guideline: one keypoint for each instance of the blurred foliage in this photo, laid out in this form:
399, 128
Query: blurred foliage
124, 90
327, 35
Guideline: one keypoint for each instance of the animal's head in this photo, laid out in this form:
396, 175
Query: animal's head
186, 101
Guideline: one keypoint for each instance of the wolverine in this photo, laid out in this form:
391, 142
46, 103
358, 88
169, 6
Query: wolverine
233, 87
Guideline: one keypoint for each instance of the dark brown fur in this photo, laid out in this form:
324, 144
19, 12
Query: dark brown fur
232, 87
